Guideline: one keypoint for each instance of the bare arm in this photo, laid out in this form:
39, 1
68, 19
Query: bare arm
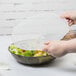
71, 46
60, 48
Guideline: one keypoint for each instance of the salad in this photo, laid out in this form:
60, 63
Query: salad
29, 53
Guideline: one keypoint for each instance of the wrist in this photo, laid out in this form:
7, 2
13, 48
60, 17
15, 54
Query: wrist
65, 47
69, 46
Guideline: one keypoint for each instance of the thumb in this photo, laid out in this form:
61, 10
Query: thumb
47, 43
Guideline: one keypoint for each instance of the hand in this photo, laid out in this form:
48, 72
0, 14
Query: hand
56, 48
70, 17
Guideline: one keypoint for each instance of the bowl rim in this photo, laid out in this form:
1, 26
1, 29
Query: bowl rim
28, 56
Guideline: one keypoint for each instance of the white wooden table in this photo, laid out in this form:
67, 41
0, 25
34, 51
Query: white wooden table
65, 66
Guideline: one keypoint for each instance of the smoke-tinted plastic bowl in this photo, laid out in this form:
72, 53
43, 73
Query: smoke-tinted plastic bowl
30, 60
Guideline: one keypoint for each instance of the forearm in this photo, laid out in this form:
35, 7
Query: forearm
71, 46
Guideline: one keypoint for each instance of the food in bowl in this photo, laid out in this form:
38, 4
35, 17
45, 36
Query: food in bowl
29, 53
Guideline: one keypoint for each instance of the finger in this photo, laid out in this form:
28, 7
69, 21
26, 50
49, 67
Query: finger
70, 22
45, 48
46, 43
67, 20
49, 52
65, 15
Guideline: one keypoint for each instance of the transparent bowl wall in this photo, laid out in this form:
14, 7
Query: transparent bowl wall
47, 26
